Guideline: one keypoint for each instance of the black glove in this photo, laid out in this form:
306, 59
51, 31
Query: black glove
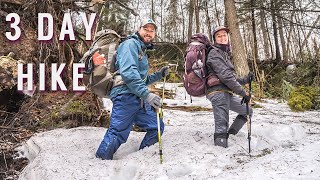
246, 99
250, 77
154, 100
164, 71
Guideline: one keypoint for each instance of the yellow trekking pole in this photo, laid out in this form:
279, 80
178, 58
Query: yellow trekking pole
160, 117
159, 136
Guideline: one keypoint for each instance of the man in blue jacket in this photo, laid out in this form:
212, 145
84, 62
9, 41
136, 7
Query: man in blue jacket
133, 103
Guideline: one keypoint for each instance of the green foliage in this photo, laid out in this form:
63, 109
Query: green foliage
317, 101
280, 83
173, 77
303, 98
299, 103
304, 74
78, 107
309, 92
255, 87
70, 116
274, 85
45, 123
286, 89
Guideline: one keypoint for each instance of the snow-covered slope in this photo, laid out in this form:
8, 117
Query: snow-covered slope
285, 145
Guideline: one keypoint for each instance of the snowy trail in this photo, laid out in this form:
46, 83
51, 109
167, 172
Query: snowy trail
285, 145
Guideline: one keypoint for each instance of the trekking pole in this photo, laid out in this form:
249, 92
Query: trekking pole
248, 118
159, 136
160, 117
164, 83
161, 107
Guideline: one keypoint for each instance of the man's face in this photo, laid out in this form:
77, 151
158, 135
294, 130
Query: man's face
148, 33
222, 37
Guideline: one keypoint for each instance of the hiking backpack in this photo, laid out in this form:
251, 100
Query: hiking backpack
100, 77
194, 78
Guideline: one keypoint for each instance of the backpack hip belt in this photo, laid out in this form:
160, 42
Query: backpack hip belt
117, 80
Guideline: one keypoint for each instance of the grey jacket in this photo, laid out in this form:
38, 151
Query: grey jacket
218, 63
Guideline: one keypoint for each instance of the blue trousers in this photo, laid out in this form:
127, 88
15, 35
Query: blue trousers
126, 111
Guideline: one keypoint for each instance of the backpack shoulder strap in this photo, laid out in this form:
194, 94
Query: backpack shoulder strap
215, 48
209, 48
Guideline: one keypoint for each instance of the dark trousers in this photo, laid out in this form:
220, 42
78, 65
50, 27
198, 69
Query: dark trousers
222, 102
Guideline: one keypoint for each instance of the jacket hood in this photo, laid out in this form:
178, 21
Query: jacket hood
224, 47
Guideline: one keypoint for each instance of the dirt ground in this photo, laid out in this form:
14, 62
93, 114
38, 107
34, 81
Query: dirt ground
21, 117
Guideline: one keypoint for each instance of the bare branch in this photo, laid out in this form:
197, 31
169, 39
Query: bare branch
126, 7
19, 2
282, 9
116, 1
292, 22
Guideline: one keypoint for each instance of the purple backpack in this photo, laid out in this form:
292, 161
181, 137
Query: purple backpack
194, 78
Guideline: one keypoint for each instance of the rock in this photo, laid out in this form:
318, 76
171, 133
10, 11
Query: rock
8, 71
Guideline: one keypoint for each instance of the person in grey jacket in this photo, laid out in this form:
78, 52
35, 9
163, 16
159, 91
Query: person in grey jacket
221, 93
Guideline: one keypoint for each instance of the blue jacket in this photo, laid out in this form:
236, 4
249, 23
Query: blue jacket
133, 69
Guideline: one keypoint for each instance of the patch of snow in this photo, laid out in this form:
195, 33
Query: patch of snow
284, 145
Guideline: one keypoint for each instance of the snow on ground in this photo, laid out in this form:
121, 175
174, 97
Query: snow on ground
284, 145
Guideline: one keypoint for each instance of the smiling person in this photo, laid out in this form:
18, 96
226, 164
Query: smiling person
132, 101
221, 94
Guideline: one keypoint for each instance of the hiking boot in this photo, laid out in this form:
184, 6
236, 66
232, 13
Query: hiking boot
221, 139
223, 142
237, 125
232, 131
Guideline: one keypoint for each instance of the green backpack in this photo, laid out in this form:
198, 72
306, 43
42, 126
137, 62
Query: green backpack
100, 79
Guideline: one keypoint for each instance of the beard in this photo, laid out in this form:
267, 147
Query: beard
145, 39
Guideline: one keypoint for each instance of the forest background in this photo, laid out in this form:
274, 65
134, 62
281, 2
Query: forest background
278, 40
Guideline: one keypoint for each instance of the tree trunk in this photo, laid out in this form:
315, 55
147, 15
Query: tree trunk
183, 22
317, 53
264, 30
208, 20
271, 47
291, 53
288, 37
136, 18
253, 23
217, 13
275, 32
246, 38
283, 43
100, 8
197, 13
239, 57
298, 41
152, 10
191, 9
161, 19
